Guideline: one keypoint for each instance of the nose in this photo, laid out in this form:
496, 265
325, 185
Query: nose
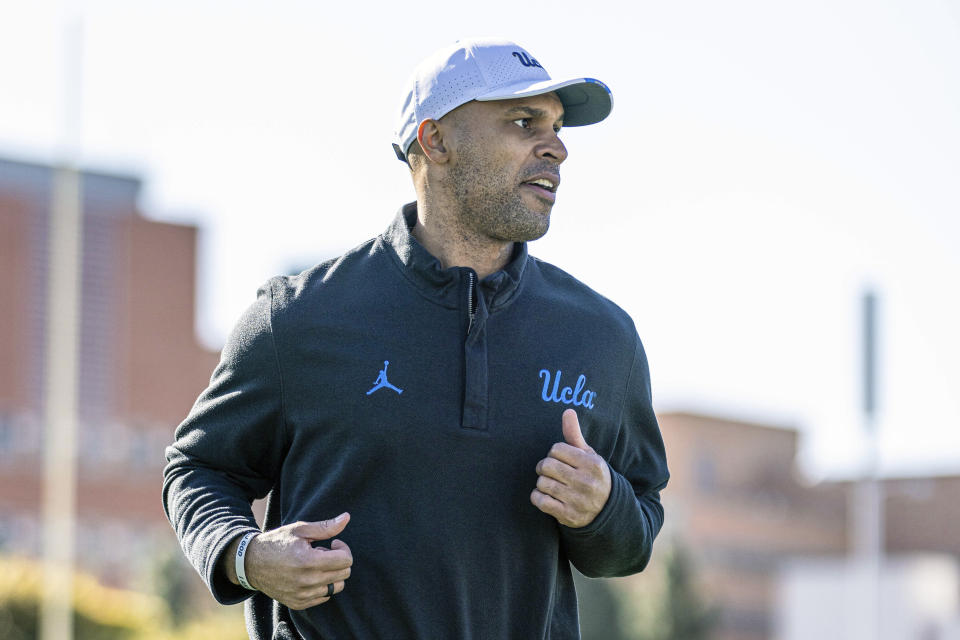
552, 149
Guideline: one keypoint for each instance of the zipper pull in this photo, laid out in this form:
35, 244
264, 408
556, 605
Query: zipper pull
471, 299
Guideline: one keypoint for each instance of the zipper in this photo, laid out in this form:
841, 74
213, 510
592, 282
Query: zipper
471, 301
475, 369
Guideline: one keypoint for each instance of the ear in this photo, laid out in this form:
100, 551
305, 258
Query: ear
430, 138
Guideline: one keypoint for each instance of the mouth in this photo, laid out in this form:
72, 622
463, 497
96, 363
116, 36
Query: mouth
544, 186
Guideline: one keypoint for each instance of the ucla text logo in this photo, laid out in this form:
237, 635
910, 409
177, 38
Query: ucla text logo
526, 60
578, 396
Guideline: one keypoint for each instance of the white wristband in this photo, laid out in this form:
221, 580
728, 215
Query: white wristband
241, 552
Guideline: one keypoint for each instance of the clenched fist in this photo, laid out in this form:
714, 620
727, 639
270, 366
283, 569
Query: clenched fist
574, 480
284, 564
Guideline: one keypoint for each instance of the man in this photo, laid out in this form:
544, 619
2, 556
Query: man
512, 436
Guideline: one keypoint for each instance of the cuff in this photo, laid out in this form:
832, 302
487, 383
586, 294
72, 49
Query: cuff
619, 490
224, 591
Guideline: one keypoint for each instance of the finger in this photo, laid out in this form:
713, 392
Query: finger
320, 591
318, 578
340, 545
320, 595
547, 504
571, 431
554, 489
323, 529
570, 455
559, 471
313, 588
330, 560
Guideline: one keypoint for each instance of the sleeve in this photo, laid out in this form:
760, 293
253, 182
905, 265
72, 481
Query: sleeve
229, 449
620, 539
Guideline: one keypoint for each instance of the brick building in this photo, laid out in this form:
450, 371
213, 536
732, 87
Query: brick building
737, 503
140, 364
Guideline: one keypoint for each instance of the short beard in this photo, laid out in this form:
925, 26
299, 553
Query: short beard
489, 202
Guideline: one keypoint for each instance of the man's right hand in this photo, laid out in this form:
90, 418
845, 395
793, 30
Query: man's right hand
283, 564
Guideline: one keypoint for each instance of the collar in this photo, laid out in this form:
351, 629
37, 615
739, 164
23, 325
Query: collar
424, 272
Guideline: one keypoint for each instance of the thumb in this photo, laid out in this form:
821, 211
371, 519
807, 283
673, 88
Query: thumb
571, 431
322, 529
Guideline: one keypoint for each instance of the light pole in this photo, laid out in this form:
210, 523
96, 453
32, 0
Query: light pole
65, 265
867, 495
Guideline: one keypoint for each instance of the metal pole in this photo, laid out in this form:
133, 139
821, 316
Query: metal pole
867, 503
59, 485
61, 367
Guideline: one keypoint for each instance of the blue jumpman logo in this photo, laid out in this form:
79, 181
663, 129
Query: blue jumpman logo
382, 380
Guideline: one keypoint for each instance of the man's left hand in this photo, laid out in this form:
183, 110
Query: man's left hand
574, 480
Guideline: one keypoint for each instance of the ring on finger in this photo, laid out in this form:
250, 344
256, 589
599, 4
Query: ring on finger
330, 590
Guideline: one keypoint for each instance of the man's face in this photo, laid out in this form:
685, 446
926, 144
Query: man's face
505, 160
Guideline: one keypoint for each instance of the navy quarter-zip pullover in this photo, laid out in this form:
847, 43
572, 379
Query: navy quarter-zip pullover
420, 400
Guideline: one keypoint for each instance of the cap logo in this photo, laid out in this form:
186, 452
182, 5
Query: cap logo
526, 60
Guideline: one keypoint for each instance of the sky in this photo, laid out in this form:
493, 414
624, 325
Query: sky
765, 163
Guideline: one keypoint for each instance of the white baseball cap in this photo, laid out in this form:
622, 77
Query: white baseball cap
491, 69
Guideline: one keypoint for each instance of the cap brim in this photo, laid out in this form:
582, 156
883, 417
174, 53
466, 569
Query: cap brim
585, 100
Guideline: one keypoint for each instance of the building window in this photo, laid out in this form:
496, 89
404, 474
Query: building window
6, 434
705, 472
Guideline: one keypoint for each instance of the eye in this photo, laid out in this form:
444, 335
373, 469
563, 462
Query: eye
523, 123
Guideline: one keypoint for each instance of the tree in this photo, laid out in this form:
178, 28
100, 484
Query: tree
686, 616
601, 616
664, 603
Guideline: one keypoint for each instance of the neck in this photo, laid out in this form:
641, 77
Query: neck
441, 233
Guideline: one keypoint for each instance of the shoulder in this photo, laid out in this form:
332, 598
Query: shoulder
330, 279
561, 293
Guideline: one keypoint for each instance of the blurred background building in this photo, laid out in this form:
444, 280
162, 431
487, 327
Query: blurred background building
771, 551
140, 364
767, 549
